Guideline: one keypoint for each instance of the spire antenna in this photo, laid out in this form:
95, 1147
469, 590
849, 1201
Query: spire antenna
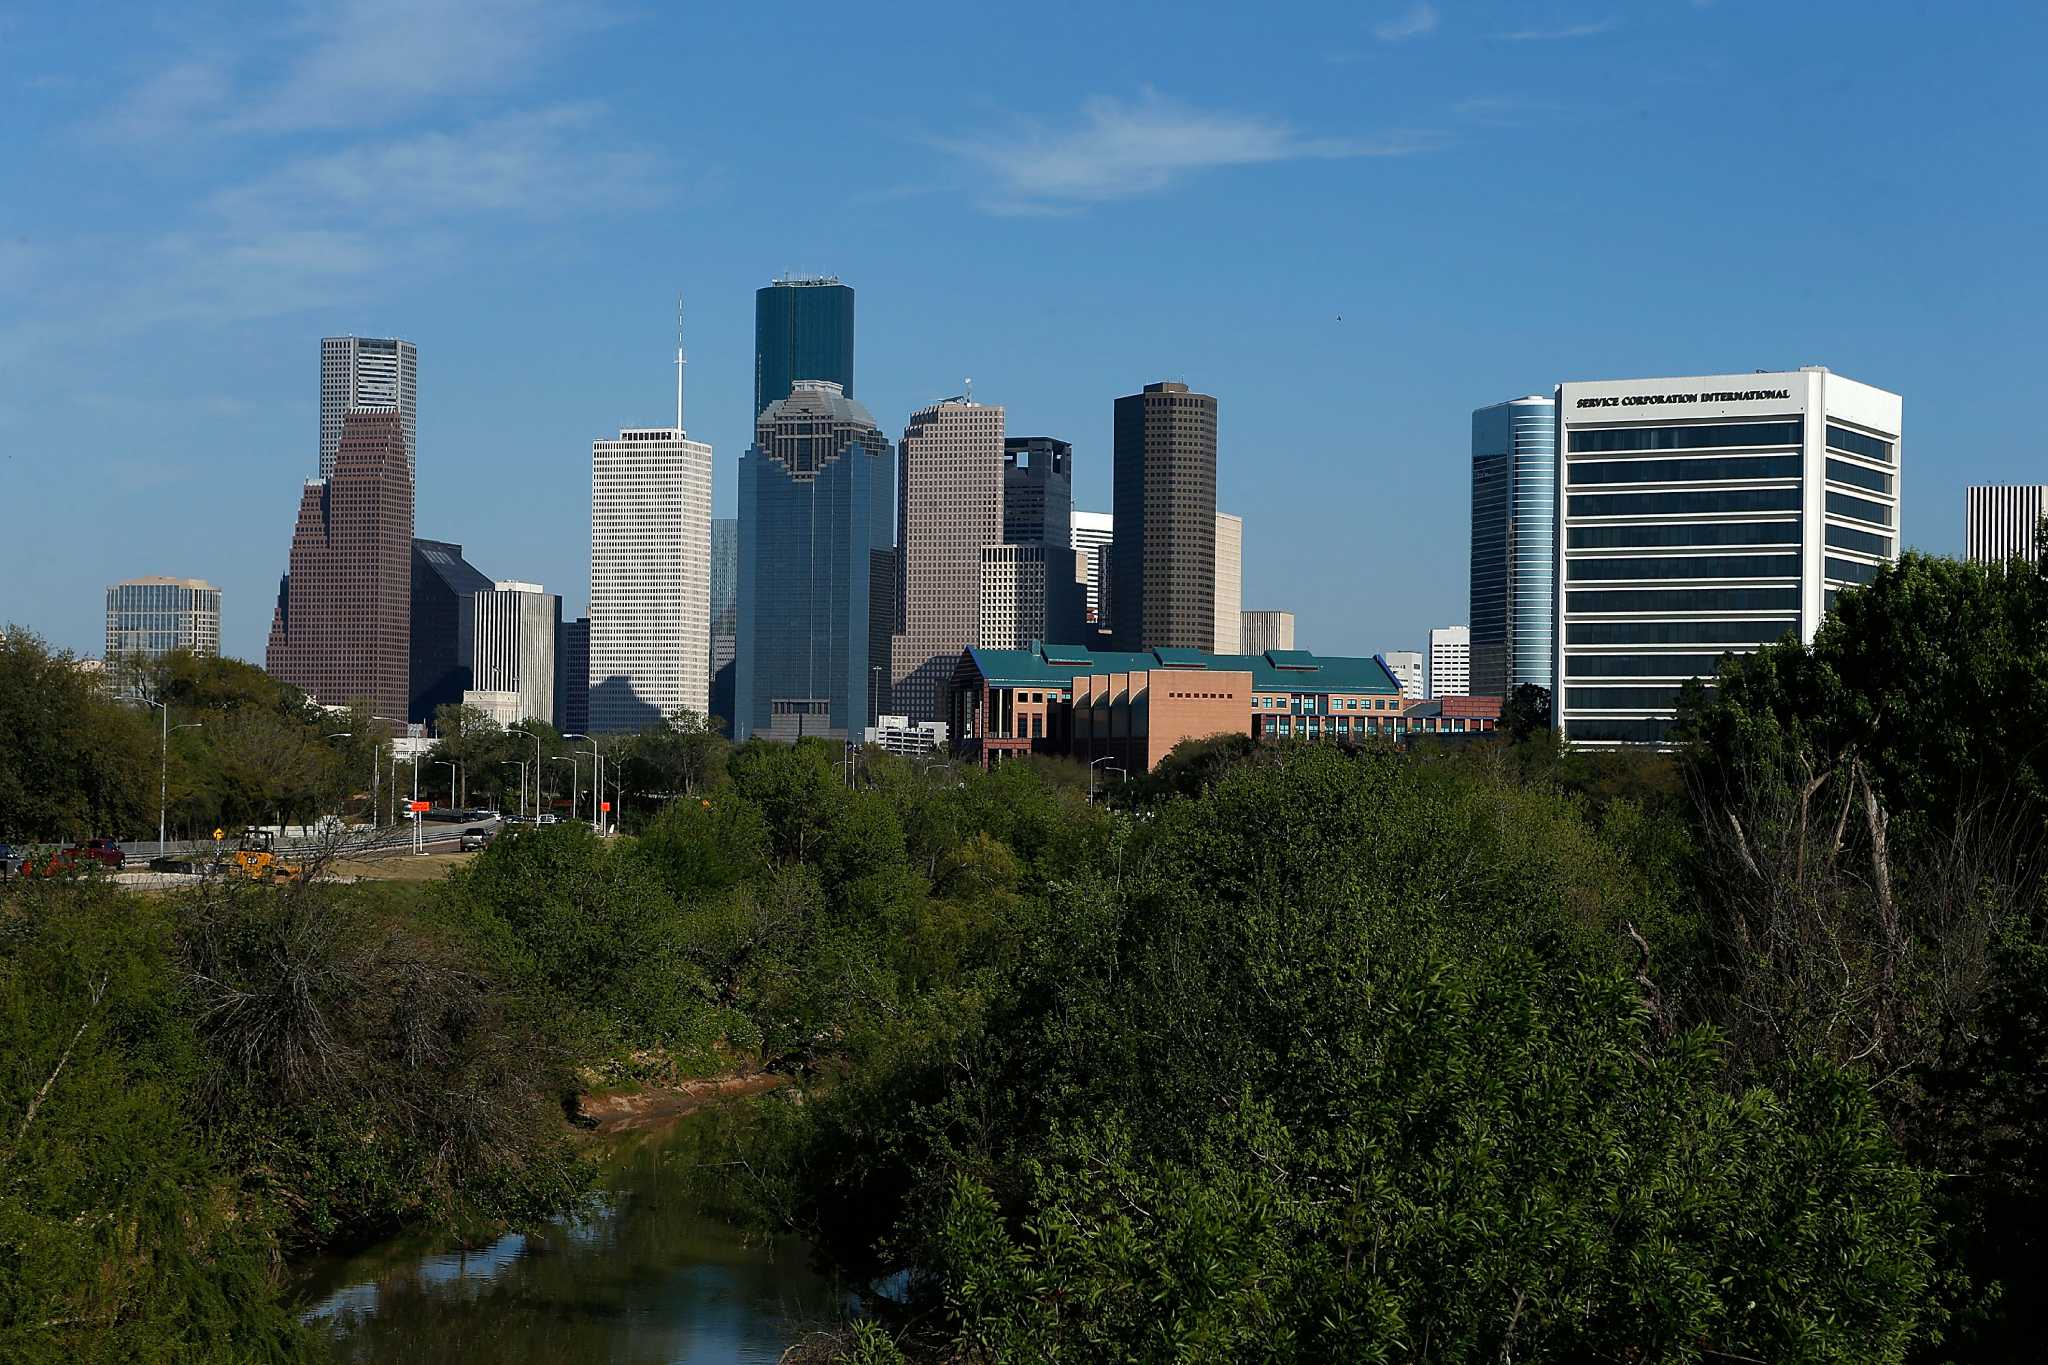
678, 365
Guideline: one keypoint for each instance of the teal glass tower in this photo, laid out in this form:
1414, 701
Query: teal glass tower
803, 329
1514, 545
817, 568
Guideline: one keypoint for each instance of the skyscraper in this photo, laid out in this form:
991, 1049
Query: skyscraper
1705, 515
572, 677
1095, 536
516, 625
1450, 661
817, 575
949, 505
342, 628
149, 617
1999, 521
803, 329
1038, 490
368, 374
1514, 545
1031, 594
650, 578
1229, 583
442, 622
725, 613
1163, 563
1264, 630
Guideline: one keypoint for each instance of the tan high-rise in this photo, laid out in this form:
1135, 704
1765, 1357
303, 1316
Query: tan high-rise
949, 505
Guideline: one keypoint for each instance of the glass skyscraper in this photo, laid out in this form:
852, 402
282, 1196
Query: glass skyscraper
817, 568
1514, 545
803, 329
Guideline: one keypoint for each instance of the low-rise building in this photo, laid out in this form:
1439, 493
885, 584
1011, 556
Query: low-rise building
907, 737
1129, 709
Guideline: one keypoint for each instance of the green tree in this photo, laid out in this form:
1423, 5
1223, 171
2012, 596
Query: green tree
74, 761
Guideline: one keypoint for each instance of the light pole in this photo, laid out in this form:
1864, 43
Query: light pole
535, 737
343, 804
450, 765
163, 771
574, 773
1091, 774
596, 779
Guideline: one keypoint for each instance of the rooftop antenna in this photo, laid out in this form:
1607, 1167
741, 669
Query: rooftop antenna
678, 365
969, 382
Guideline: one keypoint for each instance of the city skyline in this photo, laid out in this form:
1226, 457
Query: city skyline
180, 270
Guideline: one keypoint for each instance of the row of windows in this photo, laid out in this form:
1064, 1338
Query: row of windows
1684, 504
1856, 443
1684, 566
1842, 505
1620, 698
1676, 632
1640, 665
1877, 481
1850, 571
1681, 534
1844, 538
1623, 731
1684, 599
1689, 437
1685, 471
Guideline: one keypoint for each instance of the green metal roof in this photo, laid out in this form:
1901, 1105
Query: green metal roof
1278, 670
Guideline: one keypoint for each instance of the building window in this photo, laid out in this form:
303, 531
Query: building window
1688, 437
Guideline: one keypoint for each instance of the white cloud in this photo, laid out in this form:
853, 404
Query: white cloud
346, 64
1419, 20
1121, 149
1547, 35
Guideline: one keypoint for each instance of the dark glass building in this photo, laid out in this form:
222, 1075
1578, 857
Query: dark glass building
1163, 560
803, 329
725, 614
1038, 491
817, 575
444, 589
572, 676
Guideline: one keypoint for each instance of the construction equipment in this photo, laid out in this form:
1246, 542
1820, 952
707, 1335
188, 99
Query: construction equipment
255, 857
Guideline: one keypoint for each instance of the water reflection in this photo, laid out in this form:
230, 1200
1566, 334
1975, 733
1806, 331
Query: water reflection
645, 1277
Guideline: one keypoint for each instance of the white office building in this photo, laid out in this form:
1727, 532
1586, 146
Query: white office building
1450, 661
512, 637
650, 578
1406, 666
373, 374
1259, 631
1094, 534
2001, 520
1031, 594
1698, 516
150, 617
1229, 584
905, 737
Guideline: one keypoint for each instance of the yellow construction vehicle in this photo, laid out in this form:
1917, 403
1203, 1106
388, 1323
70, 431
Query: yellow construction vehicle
255, 857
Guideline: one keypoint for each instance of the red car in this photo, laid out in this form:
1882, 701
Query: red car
78, 858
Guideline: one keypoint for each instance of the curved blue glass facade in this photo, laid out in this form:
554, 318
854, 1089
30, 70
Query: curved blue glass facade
1514, 545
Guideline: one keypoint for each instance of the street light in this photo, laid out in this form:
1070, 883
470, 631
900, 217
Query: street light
596, 779
163, 772
1091, 774
450, 765
535, 737
520, 764
575, 776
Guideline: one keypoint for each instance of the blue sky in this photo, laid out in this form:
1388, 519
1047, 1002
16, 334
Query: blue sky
1352, 223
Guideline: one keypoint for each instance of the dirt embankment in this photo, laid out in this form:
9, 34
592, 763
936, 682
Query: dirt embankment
624, 1111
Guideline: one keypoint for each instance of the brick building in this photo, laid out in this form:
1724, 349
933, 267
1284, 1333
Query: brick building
1131, 708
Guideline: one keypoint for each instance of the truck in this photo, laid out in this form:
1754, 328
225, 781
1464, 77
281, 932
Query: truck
255, 857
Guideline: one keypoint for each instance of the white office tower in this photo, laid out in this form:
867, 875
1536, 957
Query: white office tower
1450, 661
1704, 515
1406, 666
368, 374
1229, 584
1264, 630
650, 578
2001, 521
1094, 533
1031, 594
512, 646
